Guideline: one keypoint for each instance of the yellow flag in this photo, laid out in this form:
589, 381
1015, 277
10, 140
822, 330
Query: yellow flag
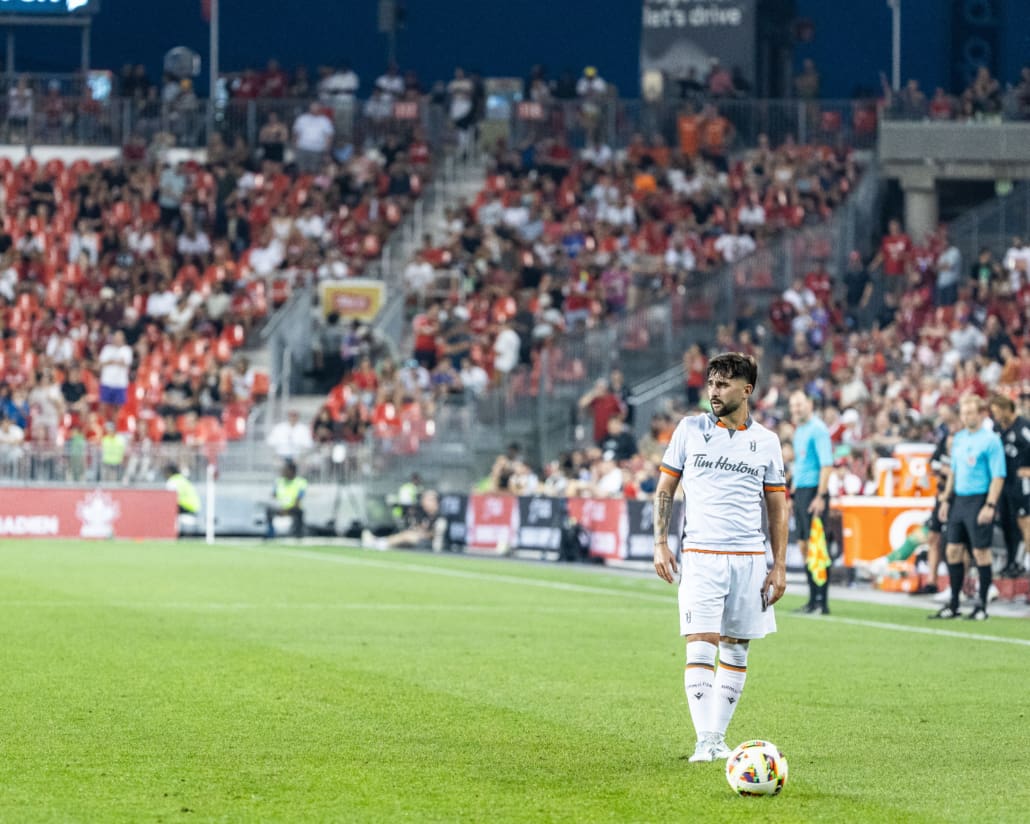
818, 560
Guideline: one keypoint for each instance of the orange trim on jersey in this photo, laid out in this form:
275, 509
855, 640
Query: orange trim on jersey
721, 425
667, 471
721, 551
732, 668
776, 488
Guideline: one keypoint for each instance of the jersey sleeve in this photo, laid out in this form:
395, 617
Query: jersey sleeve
823, 447
775, 478
675, 457
996, 458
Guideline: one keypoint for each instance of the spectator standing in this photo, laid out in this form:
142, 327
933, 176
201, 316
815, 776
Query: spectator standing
813, 465
604, 404
273, 138
893, 255
461, 110
949, 268
1014, 504
115, 363
340, 87
506, 350
112, 453
976, 480
312, 138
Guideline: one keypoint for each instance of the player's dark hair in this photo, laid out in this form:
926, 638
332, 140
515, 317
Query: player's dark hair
1003, 402
732, 365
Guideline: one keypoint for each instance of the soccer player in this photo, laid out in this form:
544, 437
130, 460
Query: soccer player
1014, 504
976, 480
813, 465
731, 469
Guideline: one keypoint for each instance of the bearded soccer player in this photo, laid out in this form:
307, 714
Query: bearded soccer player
731, 469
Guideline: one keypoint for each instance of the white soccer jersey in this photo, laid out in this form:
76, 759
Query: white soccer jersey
725, 474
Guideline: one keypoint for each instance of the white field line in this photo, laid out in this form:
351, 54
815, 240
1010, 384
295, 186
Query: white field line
243, 606
559, 585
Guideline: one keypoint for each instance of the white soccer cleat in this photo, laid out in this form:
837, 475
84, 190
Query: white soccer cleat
717, 746
710, 748
702, 752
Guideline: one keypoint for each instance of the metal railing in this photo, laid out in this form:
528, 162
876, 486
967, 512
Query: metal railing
992, 225
191, 122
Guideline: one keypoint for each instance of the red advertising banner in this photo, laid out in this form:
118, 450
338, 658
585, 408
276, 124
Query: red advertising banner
605, 520
62, 512
492, 523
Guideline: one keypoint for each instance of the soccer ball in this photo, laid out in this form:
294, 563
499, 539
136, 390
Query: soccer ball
756, 768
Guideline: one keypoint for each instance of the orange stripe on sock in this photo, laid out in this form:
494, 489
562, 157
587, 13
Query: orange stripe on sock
731, 667
700, 666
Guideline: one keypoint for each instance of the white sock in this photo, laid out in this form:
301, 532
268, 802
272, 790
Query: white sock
729, 683
698, 682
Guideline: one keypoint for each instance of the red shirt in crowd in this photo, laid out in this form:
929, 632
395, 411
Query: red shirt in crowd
895, 250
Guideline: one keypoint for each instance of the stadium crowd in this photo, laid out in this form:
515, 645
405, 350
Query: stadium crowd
128, 285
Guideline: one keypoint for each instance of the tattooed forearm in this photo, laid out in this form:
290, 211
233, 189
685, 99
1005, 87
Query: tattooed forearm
662, 515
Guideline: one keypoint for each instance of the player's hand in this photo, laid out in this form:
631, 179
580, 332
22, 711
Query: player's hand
665, 563
774, 585
816, 507
942, 512
985, 515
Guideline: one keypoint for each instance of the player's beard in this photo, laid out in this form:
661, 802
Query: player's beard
725, 408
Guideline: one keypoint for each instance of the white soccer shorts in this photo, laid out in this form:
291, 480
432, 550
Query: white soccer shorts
722, 593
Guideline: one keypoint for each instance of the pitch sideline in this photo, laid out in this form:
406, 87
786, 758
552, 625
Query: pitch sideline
567, 587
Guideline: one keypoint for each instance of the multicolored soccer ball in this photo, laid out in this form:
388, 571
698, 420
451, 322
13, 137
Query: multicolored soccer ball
756, 768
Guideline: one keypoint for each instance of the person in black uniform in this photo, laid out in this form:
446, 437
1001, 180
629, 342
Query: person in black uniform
1014, 504
940, 465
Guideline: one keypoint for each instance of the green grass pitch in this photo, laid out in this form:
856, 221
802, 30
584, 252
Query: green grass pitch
179, 682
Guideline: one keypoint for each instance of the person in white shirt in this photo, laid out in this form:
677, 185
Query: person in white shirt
734, 245
610, 480
310, 224
115, 363
161, 302
339, 88
419, 275
492, 212
12, 437
679, 257
390, 85
506, 350
313, 134
84, 241
193, 243
731, 469
290, 438
1017, 264
752, 214
60, 348
140, 240
597, 154
266, 258
474, 378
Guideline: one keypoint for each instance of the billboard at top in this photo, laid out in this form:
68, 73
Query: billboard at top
51, 8
679, 35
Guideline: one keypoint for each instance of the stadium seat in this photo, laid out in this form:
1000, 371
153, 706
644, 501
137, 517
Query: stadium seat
261, 386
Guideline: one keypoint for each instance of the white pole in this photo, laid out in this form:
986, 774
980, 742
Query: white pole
213, 91
895, 6
209, 506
